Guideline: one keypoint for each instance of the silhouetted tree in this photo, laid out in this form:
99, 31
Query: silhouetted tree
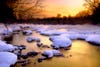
19, 9
58, 18
94, 7
96, 15
5, 11
26, 9
84, 13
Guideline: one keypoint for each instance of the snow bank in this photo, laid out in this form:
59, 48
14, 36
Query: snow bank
93, 39
6, 47
74, 36
41, 30
52, 32
7, 59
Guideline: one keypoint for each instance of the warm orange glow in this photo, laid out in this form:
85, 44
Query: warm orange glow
63, 7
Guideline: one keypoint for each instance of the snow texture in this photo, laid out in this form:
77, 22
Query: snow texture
93, 39
60, 42
7, 59
6, 47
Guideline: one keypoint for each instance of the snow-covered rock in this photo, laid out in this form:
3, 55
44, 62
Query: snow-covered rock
56, 53
27, 32
16, 29
37, 39
93, 39
60, 42
51, 53
32, 38
7, 59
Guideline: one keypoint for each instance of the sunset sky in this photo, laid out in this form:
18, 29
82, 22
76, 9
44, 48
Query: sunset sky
63, 7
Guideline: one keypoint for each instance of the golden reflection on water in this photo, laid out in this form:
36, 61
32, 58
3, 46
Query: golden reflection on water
82, 54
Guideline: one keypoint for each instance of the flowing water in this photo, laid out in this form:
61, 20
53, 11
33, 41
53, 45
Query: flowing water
81, 54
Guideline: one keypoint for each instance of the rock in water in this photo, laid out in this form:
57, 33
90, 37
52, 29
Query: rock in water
40, 60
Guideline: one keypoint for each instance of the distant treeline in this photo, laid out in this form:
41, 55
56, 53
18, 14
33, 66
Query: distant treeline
52, 20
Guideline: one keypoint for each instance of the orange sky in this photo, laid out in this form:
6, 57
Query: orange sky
63, 7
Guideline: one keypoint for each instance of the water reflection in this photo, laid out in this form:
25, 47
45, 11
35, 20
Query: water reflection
82, 54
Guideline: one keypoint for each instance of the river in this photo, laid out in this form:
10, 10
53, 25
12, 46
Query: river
81, 54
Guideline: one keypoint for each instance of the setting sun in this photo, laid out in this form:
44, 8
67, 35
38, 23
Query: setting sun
63, 7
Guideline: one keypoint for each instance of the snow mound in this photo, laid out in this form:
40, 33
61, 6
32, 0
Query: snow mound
7, 59
60, 42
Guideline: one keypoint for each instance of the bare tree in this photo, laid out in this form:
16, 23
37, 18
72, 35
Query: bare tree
94, 7
92, 4
26, 9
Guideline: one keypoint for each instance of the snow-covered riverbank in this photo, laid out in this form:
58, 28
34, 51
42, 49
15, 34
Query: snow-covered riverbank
61, 36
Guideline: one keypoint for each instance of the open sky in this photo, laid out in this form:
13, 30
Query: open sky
63, 7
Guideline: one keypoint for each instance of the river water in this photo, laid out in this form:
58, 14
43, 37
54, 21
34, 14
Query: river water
81, 54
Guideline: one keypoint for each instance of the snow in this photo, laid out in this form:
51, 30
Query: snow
1, 37
41, 30
51, 53
7, 32
4, 65
56, 52
6, 47
74, 36
16, 28
32, 38
27, 32
59, 41
93, 38
37, 39
7, 59
52, 32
